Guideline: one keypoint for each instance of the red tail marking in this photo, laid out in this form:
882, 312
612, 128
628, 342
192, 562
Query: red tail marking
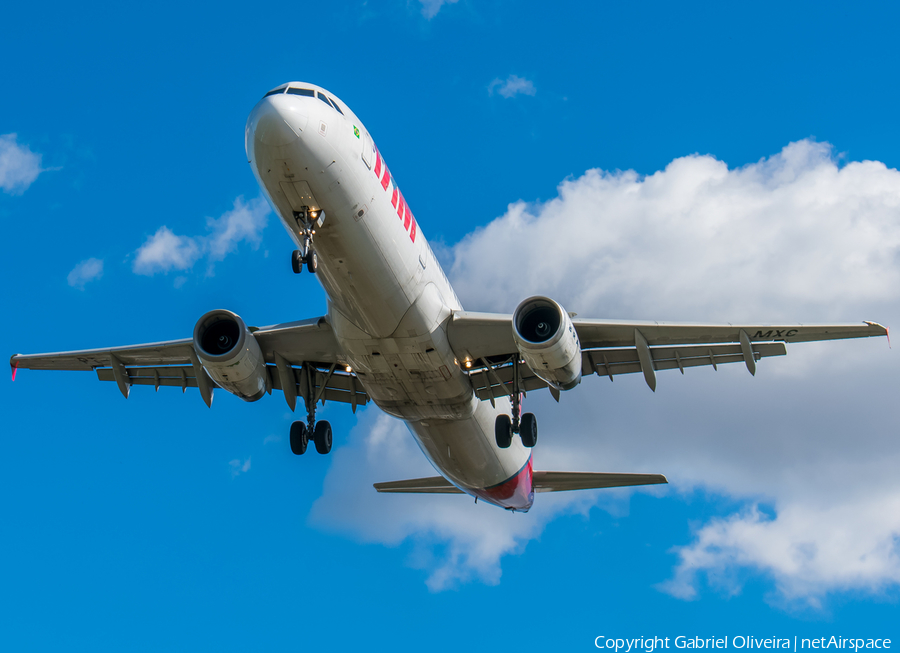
377, 163
386, 179
394, 198
412, 232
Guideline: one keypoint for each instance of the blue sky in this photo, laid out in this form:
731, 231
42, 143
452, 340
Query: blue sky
698, 162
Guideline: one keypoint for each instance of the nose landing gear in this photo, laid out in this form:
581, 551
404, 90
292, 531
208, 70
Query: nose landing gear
311, 260
307, 220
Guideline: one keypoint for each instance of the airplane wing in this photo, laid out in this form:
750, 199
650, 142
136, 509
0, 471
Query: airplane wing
309, 344
541, 482
484, 342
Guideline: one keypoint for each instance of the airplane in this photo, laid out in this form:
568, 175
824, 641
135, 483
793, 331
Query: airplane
395, 333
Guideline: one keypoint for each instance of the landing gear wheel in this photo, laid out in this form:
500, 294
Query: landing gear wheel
312, 261
503, 431
297, 262
322, 437
299, 438
528, 430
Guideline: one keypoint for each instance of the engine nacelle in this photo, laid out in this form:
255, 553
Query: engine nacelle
547, 340
231, 355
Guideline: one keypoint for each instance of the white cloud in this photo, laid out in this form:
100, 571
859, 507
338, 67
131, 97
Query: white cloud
809, 550
790, 238
430, 8
19, 166
165, 251
244, 222
239, 467
512, 86
382, 449
86, 271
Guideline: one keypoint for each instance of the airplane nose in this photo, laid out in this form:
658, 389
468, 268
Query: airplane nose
277, 120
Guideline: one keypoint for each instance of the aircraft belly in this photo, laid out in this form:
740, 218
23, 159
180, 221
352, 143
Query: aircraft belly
413, 373
464, 451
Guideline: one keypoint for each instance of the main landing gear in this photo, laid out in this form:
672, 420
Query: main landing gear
307, 220
318, 432
526, 426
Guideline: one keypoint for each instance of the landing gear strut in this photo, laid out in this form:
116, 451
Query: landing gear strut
307, 220
318, 432
524, 425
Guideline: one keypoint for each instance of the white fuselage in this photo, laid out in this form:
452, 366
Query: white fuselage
389, 299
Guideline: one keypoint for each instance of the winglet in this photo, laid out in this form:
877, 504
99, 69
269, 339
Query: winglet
14, 366
887, 330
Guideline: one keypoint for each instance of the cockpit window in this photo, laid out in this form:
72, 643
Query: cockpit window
277, 91
324, 99
336, 106
308, 92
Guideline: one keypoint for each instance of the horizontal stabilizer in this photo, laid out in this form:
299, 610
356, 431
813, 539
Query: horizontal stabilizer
561, 481
541, 481
430, 485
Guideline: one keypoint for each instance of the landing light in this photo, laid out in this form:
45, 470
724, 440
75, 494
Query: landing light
349, 369
468, 364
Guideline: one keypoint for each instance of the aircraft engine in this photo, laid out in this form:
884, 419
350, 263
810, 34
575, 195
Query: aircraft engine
548, 342
231, 355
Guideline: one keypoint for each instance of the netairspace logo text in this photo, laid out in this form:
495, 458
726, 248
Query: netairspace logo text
650, 644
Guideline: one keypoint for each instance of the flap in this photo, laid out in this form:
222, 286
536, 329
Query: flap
339, 385
610, 362
179, 376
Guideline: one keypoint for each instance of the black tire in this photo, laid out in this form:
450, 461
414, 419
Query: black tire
312, 261
299, 438
297, 262
322, 437
528, 430
503, 431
